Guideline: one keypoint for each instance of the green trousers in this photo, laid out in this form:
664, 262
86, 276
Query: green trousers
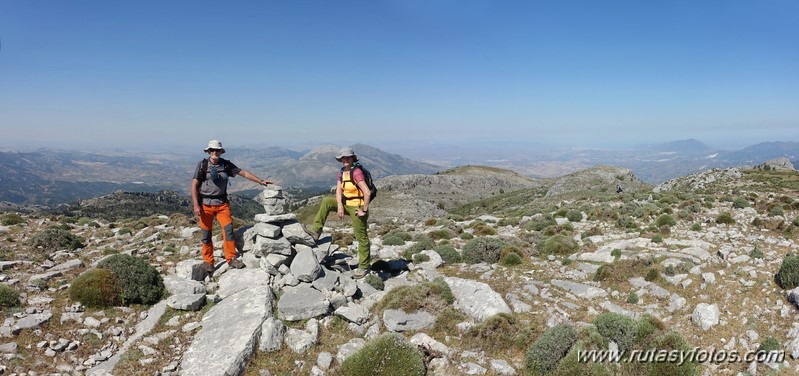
359, 226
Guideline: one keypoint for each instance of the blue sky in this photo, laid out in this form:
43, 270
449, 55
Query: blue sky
380, 72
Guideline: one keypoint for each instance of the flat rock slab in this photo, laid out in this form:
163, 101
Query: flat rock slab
476, 299
302, 302
580, 290
235, 280
229, 335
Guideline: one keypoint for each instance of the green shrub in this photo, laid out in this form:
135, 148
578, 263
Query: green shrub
558, 245
632, 298
482, 250
618, 328
696, 227
776, 210
511, 259
574, 216
432, 296
140, 282
540, 224
448, 254
422, 243
602, 273
483, 230
756, 252
657, 238
96, 288
440, 234
8, 296
740, 203
769, 344
392, 239
54, 239
566, 261
651, 275
672, 341
466, 236
669, 271
501, 332
665, 220
725, 218
616, 253
788, 275
375, 281
545, 353
388, 354
420, 257
10, 219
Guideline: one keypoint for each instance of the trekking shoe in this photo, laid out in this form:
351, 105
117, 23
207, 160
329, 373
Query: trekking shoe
209, 269
360, 273
310, 231
235, 264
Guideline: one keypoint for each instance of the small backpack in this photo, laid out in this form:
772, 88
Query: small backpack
367, 177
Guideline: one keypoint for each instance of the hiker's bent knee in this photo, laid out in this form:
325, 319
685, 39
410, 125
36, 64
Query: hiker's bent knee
205, 236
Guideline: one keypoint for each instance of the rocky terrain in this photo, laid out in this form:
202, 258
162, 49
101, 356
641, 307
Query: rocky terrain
696, 255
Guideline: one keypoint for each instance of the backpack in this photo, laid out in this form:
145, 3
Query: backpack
367, 177
204, 168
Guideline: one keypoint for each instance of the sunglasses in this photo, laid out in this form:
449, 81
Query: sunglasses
214, 150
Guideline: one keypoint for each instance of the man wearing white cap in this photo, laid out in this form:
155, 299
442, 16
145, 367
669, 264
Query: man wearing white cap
209, 195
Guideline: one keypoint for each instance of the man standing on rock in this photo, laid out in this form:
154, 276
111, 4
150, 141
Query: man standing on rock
209, 195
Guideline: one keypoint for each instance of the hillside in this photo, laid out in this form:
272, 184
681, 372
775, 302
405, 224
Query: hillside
672, 268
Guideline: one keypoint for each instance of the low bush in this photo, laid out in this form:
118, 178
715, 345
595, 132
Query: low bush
422, 243
657, 238
10, 219
448, 253
388, 354
96, 288
54, 239
788, 275
440, 234
574, 216
667, 342
740, 203
140, 282
618, 328
483, 229
482, 250
665, 220
431, 296
392, 239
8, 296
501, 332
545, 353
420, 257
511, 259
696, 227
375, 281
632, 298
651, 275
769, 344
725, 218
558, 245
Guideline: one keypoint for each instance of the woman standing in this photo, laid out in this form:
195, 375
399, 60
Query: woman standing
352, 198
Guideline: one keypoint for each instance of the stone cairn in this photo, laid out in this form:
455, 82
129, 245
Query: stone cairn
312, 272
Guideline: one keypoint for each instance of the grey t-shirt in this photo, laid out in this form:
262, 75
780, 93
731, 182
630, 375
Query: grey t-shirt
215, 188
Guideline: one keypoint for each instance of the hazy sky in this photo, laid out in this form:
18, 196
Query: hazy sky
576, 73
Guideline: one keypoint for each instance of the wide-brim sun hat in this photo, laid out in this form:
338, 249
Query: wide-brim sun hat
214, 144
345, 152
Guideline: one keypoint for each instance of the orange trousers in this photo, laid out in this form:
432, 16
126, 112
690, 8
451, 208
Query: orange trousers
222, 214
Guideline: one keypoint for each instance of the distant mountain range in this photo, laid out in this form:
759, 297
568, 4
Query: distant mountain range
51, 177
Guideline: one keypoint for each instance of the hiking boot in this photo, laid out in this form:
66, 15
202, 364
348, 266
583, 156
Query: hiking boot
235, 264
209, 269
310, 231
360, 273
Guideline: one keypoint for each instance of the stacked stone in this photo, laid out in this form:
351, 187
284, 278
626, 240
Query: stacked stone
279, 245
